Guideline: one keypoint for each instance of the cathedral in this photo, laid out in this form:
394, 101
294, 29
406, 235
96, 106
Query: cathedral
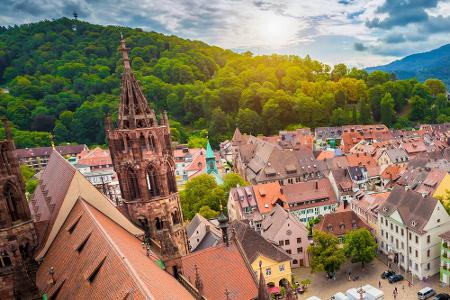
17, 234
142, 157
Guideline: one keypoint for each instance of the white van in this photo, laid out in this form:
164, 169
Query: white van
426, 293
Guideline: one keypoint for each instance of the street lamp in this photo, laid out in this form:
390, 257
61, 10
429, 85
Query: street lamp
361, 292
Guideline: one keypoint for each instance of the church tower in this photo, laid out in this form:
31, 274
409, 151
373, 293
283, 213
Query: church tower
17, 234
143, 159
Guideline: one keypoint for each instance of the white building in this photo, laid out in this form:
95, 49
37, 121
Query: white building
409, 229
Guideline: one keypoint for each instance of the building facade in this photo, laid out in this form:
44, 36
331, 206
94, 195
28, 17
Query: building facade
142, 156
444, 272
409, 228
17, 234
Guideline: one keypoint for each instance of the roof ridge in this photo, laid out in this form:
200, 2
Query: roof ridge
125, 261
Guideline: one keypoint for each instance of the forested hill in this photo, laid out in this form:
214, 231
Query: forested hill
63, 81
434, 63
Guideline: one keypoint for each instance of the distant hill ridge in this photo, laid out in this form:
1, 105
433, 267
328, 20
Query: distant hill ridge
434, 63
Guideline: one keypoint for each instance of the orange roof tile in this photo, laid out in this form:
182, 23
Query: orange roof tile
266, 195
340, 223
124, 269
392, 172
361, 159
325, 155
221, 268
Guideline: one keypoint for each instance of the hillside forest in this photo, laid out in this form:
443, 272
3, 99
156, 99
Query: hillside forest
63, 76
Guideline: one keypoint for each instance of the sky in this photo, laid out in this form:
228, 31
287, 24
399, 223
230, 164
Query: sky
359, 33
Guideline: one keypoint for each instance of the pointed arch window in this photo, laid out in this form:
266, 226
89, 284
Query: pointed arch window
12, 201
171, 181
133, 185
143, 142
153, 182
176, 217
152, 143
158, 224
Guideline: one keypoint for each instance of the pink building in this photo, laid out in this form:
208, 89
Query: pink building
285, 230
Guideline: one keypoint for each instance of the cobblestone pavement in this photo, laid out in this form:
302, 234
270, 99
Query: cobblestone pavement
325, 288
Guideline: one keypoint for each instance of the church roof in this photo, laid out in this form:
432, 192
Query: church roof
59, 188
209, 151
93, 257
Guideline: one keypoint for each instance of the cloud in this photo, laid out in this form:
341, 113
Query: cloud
264, 26
358, 46
401, 13
394, 38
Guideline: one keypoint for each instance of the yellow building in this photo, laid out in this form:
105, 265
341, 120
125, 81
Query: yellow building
276, 264
274, 271
443, 187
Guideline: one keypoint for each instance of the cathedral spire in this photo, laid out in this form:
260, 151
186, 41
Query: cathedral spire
134, 111
125, 54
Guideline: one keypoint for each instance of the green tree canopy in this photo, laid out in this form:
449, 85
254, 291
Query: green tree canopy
326, 255
360, 246
201, 191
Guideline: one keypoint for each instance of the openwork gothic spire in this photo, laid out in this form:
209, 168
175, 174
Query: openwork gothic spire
134, 111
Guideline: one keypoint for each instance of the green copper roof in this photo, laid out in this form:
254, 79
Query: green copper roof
209, 151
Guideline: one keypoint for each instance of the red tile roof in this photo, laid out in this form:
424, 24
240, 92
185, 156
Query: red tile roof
392, 172
50, 193
46, 151
221, 268
310, 190
124, 271
266, 196
340, 223
95, 157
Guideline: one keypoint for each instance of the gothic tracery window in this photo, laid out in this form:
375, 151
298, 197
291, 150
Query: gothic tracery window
133, 185
12, 201
152, 181
171, 181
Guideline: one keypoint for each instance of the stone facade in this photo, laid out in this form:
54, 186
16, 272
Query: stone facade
17, 235
143, 160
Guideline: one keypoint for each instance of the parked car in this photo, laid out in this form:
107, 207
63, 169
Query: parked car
386, 274
395, 278
442, 296
426, 293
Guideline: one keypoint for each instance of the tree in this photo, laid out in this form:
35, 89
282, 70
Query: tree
30, 181
418, 108
364, 112
377, 77
339, 71
387, 110
248, 121
207, 212
360, 246
201, 191
232, 180
436, 86
326, 255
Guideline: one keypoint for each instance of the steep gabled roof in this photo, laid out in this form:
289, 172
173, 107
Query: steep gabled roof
221, 267
254, 244
340, 223
414, 209
274, 222
63, 185
93, 257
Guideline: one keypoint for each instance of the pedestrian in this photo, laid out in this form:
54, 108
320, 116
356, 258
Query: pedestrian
403, 286
349, 278
379, 284
396, 291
